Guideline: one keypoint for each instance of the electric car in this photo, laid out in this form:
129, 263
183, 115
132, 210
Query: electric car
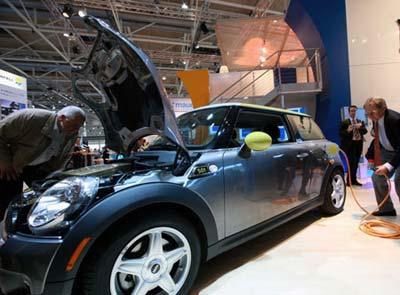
209, 180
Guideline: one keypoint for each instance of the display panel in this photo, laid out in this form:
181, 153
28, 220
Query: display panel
13, 93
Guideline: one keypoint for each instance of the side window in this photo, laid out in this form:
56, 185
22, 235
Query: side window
305, 128
249, 121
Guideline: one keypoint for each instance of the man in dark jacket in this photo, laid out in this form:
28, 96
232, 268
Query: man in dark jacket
351, 133
386, 130
33, 144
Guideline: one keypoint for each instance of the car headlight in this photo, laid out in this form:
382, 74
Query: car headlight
58, 205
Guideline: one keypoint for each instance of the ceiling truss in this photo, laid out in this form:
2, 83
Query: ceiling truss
40, 44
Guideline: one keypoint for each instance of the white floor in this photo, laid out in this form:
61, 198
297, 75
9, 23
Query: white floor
310, 255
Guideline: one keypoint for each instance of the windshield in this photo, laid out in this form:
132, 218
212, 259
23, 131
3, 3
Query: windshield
199, 128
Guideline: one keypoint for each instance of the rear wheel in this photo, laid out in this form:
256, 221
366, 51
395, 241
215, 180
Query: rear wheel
155, 256
335, 194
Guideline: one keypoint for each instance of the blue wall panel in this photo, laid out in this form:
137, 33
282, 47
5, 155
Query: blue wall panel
322, 24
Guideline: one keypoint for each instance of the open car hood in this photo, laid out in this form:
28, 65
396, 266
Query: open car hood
131, 101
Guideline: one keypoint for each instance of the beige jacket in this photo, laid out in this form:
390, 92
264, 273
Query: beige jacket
25, 134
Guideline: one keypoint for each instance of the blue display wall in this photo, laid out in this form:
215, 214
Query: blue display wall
322, 24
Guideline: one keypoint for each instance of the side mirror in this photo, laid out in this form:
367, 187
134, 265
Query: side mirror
256, 141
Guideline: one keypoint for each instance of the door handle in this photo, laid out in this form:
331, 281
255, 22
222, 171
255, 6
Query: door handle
302, 155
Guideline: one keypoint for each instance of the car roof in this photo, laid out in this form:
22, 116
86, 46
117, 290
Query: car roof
252, 106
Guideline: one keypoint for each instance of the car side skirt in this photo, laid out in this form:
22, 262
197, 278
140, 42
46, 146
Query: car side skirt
260, 229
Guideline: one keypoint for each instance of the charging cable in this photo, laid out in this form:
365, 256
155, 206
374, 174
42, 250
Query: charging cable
371, 224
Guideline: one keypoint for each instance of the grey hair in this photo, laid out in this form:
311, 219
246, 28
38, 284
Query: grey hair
72, 112
376, 102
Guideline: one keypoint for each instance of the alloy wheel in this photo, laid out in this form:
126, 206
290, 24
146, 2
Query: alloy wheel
157, 260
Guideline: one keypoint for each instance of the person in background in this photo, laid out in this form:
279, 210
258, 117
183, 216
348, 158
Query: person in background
386, 151
89, 155
140, 145
33, 144
105, 155
77, 158
351, 134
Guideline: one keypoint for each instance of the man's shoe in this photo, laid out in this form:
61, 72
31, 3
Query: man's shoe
385, 213
356, 183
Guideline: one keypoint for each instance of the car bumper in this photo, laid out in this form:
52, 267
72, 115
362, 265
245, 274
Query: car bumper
25, 262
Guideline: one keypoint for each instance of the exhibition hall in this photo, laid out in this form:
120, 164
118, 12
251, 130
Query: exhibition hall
211, 147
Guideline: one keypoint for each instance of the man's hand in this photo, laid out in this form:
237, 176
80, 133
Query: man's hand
381, 170
7, 172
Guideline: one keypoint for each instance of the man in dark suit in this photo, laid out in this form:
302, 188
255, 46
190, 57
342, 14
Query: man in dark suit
351, 133
386, 130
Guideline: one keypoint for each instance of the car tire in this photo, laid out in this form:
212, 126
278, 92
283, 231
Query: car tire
146, 251
335, 193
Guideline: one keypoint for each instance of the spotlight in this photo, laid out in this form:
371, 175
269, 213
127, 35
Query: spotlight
203, 28
82, 12
184, 6
197, 46
68, 10
69, 35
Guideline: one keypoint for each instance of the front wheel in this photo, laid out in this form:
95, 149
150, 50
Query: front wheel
335, 194
154, 256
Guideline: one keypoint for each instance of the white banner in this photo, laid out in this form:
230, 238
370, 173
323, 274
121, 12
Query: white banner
13, 93
181, 105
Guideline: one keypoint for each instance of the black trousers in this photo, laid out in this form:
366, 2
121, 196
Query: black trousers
353, 152
10, 189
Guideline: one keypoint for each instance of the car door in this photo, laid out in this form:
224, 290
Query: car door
264, 185
311, 154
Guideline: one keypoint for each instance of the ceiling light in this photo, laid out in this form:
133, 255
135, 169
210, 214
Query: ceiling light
197, 46
184, 62
264, 50
275, 21
184, 6
69, 35
164, 78
262, 59
171, 61
68, 10
82, 12
246, 97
